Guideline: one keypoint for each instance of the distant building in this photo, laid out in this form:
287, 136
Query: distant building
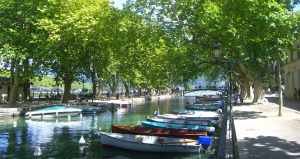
5, 90
292, 70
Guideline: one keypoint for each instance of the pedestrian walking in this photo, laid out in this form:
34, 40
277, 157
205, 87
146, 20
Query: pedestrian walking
235, 96
295, 94
47, 98
241, 98
61, 96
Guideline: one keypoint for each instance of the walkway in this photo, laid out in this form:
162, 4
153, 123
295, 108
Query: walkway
261, 133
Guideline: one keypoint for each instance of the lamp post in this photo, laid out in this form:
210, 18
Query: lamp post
217, 54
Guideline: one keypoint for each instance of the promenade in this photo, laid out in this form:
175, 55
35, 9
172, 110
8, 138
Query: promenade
262, 134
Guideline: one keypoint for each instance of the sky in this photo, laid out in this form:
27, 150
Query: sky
118, 4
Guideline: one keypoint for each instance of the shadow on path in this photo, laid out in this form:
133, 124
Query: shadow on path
269, 147
243, 115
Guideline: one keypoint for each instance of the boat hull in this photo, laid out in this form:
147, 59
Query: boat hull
176, 133
172, 126
51, 112
149, 143
179, 121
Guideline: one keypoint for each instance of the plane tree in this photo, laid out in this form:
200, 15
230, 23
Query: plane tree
241, 27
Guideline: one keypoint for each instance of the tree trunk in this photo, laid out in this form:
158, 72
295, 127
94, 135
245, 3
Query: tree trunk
149, 92
68, 83
14, 81
26, 90
258, 92
139, 92
93, 75
126, 89
100, 86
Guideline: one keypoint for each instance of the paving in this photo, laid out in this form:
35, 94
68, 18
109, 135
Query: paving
262, 134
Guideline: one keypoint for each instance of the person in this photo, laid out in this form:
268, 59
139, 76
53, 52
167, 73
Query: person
47, 98
235, 96
295, 94
61, 96
51, 97
241, 97
77, 97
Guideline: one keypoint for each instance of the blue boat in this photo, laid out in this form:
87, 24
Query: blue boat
171, 126
189, 111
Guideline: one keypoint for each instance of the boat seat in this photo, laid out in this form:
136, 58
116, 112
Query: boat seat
138, 139
159, 141
147, 131
183, 127
168, 125
172, 121
185, 122
167, 132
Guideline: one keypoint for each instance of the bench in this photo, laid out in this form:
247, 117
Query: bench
159, 141
167, 132
147, 131
138, 139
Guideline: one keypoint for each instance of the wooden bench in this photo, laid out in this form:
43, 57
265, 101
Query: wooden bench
159, 141
185, 122
167, 132
183, 127
147, 131
169, 125
138, 139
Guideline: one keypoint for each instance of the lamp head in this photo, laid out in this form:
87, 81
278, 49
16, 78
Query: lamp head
217, 50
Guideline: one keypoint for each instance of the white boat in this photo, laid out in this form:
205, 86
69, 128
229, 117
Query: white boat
149, 143
50, 112
179, 121
203, 116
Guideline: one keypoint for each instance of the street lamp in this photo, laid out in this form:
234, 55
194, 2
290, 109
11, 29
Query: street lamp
217, 54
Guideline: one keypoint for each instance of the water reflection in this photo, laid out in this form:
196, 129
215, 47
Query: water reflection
59, 137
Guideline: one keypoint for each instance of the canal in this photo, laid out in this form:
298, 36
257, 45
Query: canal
58, 137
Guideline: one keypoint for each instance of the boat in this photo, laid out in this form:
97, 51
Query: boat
104, 105
205, 107
202, 103
189, 111
203, 116
87, 109
50, 112
179, 121
171, 126
121, 104
163, 132
148, 143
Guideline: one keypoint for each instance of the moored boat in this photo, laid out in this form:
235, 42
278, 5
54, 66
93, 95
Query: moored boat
212, 108
202, 116
50, 112
149, 143
171, 126
86, 109
180, 121
189, 111
163, 132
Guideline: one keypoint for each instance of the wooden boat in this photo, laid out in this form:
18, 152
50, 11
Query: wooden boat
163, 132
171, 126
50, 112
202, 116
180, 121
149, 143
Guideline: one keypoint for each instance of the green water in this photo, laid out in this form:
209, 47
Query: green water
58, 137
